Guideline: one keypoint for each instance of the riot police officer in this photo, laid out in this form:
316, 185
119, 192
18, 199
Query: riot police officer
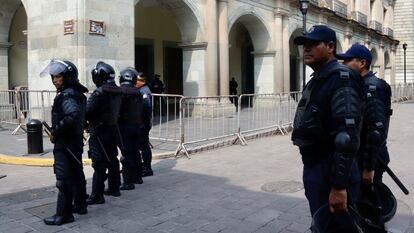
327, 124
143, 140
373, 137
102, 112
376, 116
68, 117
130, 119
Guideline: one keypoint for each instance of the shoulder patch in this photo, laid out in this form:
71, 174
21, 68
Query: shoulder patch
145, 96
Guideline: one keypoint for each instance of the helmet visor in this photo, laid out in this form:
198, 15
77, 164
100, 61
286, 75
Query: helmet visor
55, 67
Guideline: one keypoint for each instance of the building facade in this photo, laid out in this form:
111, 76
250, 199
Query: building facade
404, 31
195, 45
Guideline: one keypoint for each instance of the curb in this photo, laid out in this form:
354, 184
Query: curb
48, 162
31, 161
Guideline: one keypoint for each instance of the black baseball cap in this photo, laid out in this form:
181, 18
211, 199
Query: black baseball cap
317, 33
356, 51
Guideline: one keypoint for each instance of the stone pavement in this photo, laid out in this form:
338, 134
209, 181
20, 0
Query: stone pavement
215, 191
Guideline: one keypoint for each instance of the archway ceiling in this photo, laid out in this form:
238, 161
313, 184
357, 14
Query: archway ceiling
186, 19
257, 31
7, 11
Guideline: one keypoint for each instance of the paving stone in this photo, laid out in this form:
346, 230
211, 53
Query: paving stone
297, 227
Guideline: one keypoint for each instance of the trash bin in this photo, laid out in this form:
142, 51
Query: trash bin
34, 137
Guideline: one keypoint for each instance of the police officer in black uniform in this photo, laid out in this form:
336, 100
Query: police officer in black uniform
129, 121
376, 116
68, 117
102, 112
143, 139
327, 124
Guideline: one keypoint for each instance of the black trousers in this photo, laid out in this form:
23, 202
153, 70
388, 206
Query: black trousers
70, 179
131, 158
104, 154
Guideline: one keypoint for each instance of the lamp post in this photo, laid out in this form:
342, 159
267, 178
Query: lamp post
303, 6
405, 62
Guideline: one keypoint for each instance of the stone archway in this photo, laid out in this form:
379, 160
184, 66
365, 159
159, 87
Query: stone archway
375, 66
251, 60
165, 46
295, 62
7, 14
388, 67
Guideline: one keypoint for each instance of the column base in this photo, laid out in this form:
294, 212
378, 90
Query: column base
212, 109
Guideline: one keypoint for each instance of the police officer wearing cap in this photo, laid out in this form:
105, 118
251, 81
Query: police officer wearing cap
102, 112
130, 120
376, 116
327, 124
68, 117
143, 140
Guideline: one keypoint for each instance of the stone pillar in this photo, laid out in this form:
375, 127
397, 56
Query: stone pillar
4, 65
286, 54
263, 69
224, 47
194, 79
46, 39
392, 61
278, 61
212, 49
381, 61
347, 39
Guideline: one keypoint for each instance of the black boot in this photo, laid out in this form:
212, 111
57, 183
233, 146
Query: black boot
138, 180
58, 220
112, 192
147, 171
125, 186
95, 199
80, 209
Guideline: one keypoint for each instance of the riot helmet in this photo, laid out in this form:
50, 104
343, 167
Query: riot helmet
103, 73
65, 68
128, 75
377, 203
326, 222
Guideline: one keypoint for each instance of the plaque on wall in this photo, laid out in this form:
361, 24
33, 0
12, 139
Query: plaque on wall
97, 27
68, 27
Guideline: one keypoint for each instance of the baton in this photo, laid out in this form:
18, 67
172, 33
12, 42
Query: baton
393, 176
48, 130
3, 176
103, 148
120, 138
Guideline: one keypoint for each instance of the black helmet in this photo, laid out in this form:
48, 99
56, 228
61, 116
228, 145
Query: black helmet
128, 75
325, 222
103, 73
62, 67
377, 203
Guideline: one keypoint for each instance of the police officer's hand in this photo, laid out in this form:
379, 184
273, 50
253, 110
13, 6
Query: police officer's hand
337, 200
52, 139
368, 177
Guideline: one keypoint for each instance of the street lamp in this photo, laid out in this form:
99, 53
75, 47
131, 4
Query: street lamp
303, 6
405, 62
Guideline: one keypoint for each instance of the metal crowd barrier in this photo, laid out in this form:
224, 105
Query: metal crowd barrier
166, 118
206, 119
401, 92
9, 111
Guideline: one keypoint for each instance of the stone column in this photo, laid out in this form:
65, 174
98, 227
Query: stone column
381, 61
46, 39
212, 49
392, 61
4, 65
224, 47
286, 54
194, 79
263, 69
347, 39
278, 61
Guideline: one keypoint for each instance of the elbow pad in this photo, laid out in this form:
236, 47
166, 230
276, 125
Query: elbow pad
346, 148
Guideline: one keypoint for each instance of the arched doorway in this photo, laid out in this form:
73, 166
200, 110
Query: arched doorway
251, 64
388, 68
17, 59
161, 30
242, 59
375, 67
295, 62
